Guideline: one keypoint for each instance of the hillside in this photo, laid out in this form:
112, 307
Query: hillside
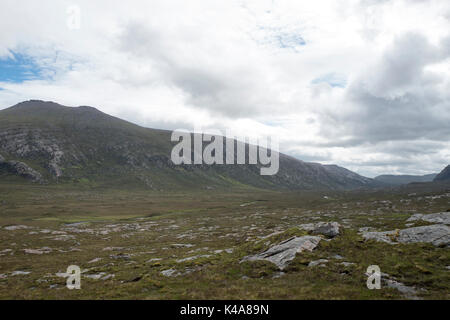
47, 143
404, 179
444, 175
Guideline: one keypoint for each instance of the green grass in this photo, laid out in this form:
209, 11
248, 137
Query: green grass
150, 224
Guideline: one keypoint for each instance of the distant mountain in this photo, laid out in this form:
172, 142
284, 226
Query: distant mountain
405, 179
444, 175
48, 142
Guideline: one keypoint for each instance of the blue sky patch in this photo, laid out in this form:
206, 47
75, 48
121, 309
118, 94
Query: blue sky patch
19, 68
289, 40
333, 79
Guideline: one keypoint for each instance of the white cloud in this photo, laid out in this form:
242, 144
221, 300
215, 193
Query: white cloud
260, 65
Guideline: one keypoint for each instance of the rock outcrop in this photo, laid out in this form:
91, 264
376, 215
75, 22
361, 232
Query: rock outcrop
21, 169
329, 229
436, 234
441, 217
281, 254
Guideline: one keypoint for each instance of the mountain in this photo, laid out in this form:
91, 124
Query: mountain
47, 142
405, 179
444, 175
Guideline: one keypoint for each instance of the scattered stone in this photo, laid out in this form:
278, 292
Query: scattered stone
18, 227
63, 237
76, 224
437, 234
38, 251
95, 260
366, 229
277, 275
441, 217
347, 264
408, 292
62, 274
329, 229
320, 263
286, 251
194, 258
113, 248
3, 276
20, 273
338, 257
183, 245
247, 204
170, 273
95, 276
107, 277
122, 256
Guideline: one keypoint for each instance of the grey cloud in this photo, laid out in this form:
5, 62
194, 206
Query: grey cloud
223, 87
396, 99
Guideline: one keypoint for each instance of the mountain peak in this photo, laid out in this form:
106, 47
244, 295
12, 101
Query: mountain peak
47, 105
76, 144
444, 175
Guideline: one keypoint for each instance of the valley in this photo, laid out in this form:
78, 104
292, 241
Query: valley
141, 244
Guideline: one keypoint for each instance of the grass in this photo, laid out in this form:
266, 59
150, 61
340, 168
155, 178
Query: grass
143, 225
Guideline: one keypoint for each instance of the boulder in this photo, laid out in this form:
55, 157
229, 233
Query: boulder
436, 234
441, 217
329, 229
281, 254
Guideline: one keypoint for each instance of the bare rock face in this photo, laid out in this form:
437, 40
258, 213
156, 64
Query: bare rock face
441, 217
329, 229
22, 170
444, 175
436, 234
281, 254
33, 143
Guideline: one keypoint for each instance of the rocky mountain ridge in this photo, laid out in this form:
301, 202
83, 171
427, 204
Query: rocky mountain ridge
50, 142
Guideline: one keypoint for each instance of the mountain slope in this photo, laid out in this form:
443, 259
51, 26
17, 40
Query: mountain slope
444, 175
404, 179
84, 145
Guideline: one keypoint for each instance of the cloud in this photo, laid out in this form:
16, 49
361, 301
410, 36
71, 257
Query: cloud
344, 82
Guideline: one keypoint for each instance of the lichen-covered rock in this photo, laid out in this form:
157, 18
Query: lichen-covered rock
436, 234
441, 217
329, 229
281, 254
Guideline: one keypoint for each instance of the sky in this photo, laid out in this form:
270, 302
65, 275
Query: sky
364, 84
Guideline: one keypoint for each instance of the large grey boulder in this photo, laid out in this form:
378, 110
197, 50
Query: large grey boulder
329, 229
281, 254
436, 234
441, 217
